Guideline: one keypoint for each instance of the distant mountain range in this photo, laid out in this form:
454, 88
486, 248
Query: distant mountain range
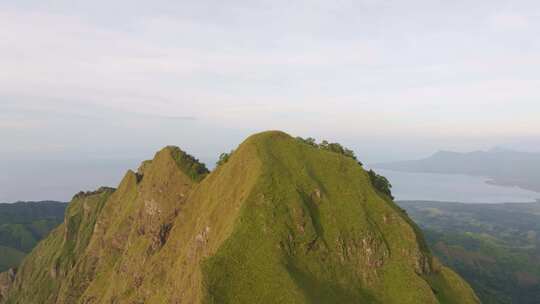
504, 167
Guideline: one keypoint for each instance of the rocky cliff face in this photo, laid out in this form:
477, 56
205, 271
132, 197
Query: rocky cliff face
280, 222
6, 281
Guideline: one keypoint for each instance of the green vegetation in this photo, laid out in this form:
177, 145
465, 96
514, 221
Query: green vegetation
278, 222
10, 257
495, 247
381, 183
189, 164
332, 147
22, 225
378, 181
223, 158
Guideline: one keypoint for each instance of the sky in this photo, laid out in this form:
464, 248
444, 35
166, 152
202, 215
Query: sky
89, 89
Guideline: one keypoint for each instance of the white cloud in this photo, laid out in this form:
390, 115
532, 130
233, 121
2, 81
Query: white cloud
509, 21
104, 78
11, 125
353, 60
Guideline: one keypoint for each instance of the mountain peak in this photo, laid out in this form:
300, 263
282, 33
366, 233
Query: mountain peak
186, 162
281, 221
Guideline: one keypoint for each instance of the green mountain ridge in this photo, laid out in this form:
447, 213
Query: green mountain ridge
279, 222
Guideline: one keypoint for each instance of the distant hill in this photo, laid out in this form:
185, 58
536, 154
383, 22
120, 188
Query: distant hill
495, 247
22, 225
280, 220
504, 167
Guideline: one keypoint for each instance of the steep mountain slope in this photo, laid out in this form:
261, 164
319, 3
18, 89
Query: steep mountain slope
279, 222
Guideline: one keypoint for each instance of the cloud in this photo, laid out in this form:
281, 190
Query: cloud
295, 64
509, 21
11, 125
62, 57
389, 78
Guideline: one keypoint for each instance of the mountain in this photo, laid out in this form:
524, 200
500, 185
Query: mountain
22, 225
496, 247
504, 167
278, 221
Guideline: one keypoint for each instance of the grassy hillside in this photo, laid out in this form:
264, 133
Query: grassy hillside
494, 246
22, 225
280, 221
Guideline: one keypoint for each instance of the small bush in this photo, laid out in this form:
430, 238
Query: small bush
328, 146
223, 158
381, 183
192, 166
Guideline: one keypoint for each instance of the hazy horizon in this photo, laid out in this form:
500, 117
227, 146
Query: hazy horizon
90, 89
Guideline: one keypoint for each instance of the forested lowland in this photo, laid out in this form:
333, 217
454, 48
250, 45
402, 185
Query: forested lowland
23, 225
495, 247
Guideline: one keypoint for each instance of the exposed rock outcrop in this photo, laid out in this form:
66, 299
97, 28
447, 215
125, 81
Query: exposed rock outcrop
6, 281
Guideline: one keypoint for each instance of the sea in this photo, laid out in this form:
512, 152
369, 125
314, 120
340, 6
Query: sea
453, 188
